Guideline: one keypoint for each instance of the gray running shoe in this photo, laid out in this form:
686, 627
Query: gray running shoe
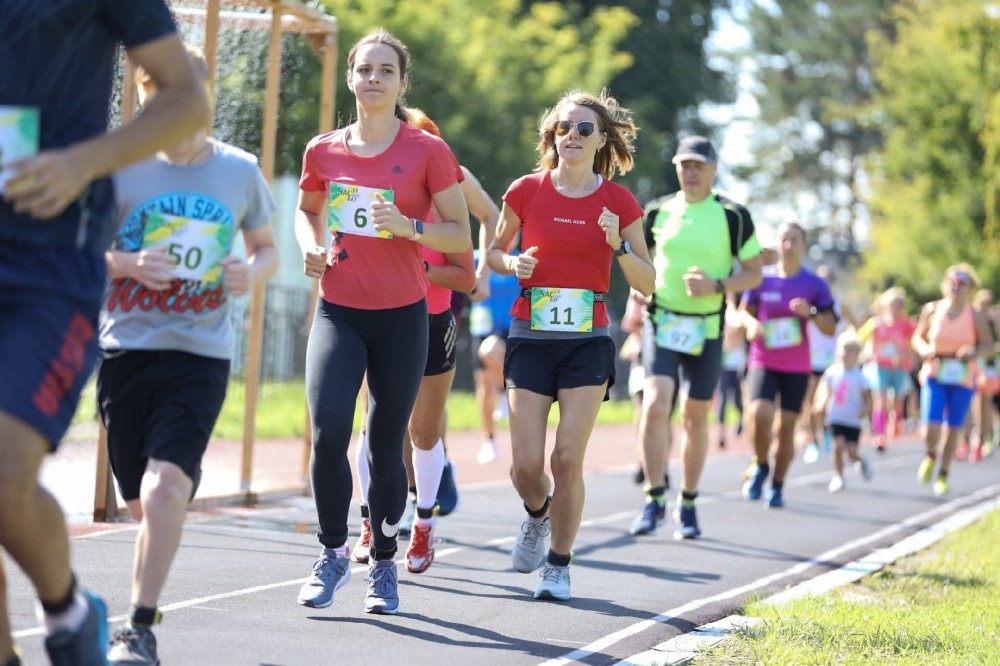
406, 522
133, 646
383, 588
329, 575
89, 645
530, 547
555, 583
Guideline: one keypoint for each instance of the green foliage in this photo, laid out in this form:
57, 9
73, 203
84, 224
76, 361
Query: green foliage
932, 182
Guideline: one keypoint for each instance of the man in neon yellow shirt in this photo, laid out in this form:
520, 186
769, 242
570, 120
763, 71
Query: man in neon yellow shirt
695, 237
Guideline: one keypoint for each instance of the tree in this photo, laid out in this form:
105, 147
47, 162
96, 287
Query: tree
935, 181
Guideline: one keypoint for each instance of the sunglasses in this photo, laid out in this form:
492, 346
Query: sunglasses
584, 128
959, 279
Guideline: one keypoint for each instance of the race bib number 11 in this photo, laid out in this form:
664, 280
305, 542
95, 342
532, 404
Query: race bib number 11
349, 210
569, 310
197, 246
18, 137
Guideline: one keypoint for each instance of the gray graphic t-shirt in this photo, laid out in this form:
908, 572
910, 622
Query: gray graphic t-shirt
195, 212
847, 395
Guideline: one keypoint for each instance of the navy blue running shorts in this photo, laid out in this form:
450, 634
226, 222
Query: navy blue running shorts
695, 376
545, 366
161, 405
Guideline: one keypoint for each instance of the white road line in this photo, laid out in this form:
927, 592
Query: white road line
631, 630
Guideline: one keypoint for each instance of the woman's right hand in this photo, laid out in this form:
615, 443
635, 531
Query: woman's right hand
315, 262
524, 263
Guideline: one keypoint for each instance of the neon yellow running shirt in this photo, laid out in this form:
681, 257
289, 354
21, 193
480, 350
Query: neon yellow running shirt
708, 235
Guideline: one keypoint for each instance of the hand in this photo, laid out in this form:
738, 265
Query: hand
524, 263
801, 307
608, 222
966, 352
386, 217
753, 328
481, 291
315, 262
696, 283
44, 185
236, 276
154, 268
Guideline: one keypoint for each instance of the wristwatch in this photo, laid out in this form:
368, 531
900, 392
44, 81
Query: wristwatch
813, 311
418, 230
624, 249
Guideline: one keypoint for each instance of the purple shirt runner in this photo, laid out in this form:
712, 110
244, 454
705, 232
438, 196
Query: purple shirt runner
784, 347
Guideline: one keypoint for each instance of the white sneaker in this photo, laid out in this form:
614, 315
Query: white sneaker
487, 453
502, 410
836, 484
864, 468
555, 583
811, 454
531, 545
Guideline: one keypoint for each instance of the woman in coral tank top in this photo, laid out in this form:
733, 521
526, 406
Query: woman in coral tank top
949, 337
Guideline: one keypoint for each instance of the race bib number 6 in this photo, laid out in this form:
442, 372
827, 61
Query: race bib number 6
18, 137
349, 210
782, 333
680, 333
569, 310
197, 246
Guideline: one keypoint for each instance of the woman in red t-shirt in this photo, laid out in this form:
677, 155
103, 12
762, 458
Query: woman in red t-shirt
372, 183
573, 221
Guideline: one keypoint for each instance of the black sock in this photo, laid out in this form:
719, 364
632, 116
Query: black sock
764, 467
142, 616
777, 485
557, 560
379, 555
14, 661
540, 512
64, 604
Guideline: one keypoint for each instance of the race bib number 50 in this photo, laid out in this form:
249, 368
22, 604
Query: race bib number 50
349, 210
569, 310
18, 137
197, 246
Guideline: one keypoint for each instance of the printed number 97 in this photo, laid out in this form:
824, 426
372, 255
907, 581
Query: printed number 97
190, 259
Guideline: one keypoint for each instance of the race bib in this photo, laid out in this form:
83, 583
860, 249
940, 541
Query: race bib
18, 137
197, 246
349, 212
889, 354
680, 333
480, 320
952, 371
782, 333
555, 309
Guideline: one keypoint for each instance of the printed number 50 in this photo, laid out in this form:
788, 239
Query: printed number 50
190, 259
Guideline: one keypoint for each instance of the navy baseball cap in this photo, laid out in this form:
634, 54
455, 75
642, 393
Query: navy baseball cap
696, 148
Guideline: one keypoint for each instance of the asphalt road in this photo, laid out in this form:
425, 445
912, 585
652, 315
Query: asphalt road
231, 595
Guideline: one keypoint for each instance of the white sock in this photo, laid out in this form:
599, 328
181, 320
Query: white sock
427, 468
70, 619
362, 466
340, 552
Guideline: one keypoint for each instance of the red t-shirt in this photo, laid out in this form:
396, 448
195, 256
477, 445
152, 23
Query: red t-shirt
378, 273
572, 251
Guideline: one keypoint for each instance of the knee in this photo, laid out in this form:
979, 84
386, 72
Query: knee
15, 493
567, 465
525, 472
656, 405
166, 486
695, 414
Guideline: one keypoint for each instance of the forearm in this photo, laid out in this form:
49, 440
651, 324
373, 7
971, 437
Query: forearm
120, 264
640, 274
500, 261
741, 281
309, 230
263, 263
455, 278
447, 236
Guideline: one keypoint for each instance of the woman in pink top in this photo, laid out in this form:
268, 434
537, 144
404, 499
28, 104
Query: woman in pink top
889, 331
949, 336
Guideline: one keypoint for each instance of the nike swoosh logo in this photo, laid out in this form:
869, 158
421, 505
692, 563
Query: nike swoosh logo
389, 530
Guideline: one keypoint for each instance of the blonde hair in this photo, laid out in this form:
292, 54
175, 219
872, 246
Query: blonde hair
962, 268
846, 340
615, 121
891, 294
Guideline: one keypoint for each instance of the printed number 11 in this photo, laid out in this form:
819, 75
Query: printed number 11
555, 317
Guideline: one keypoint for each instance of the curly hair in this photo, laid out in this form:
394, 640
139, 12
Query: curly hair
614, 120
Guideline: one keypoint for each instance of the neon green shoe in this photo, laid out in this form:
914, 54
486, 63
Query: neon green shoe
941, 486
926, 471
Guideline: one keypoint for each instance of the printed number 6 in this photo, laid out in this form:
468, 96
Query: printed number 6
359, 218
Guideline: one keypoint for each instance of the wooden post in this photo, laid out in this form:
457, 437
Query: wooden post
255, 339
211, 49
327, 107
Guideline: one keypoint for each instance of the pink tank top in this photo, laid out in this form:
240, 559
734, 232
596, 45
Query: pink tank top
948, 335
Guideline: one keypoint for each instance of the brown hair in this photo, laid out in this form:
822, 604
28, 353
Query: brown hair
421, 120
614, 120
383, 36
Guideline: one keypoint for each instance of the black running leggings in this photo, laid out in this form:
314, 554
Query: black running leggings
729, 385
344, 343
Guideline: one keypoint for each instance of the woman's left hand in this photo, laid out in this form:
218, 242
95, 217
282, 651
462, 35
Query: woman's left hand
386, 217
608, 222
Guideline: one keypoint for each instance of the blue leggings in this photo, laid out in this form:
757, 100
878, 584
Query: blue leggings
936, 399
344, 343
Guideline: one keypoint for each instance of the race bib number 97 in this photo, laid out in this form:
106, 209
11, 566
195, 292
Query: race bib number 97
782, 333
197, 246
680, 333
349, 210
18, 137
569, 310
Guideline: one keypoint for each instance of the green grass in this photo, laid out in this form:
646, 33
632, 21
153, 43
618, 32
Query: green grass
937, 607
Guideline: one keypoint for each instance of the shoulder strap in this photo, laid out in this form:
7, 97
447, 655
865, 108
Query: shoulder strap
651, 211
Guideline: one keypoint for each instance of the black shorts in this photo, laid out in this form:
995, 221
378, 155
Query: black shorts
850, 435
161, 405
699, 375
48, 346
545, 366
763, 384
441, 337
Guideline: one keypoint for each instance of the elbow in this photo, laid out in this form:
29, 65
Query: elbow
468, 283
